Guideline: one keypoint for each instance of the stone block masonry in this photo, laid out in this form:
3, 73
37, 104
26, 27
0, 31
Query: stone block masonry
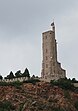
51, 68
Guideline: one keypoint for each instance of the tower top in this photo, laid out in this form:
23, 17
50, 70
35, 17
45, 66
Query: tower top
53, 26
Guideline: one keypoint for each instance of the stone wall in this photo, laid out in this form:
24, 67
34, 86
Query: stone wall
20, 79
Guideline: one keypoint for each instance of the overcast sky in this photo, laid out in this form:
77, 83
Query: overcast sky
21, 25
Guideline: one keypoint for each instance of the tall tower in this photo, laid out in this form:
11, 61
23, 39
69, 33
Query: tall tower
51, 68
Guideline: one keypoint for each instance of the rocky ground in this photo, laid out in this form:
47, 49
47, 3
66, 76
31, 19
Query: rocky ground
39, 97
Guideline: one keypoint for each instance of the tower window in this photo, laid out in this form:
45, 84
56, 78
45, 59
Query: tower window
46, 58
54, 71
46, 37
46, 50
46, 65
52, 75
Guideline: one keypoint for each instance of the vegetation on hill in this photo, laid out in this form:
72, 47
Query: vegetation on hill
66, 84
17, 74
41, 96
63, 83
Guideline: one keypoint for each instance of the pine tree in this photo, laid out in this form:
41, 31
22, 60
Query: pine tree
26, 73
18, 74
1, 77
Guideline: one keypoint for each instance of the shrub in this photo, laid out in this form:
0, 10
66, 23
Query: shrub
63, 83
33, 81
6, 106
67, 94
15, 84
3, 84
26, 73
1, 77
18, 74
76, 105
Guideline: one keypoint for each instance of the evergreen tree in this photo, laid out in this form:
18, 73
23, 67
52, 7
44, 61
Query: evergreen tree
26, 73
18, 74
1, 77
74, 80
33, 76
10, 76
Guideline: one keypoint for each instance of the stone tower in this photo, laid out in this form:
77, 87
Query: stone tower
51, 68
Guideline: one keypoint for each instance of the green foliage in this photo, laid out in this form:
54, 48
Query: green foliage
6, 106
74, 80
67, 94
33, 81
3, 84
37, 77
26, 73
63, 83
10, 76
18, 74
33, 76
76, 105
16, 84
1, 77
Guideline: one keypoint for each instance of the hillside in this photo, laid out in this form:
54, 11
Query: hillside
41, 96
